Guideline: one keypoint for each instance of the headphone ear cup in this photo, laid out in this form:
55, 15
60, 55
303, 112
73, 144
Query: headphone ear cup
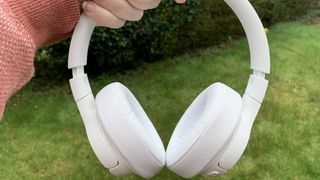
130, 132
204, 130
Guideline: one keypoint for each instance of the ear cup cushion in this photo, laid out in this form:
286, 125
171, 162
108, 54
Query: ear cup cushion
130, 129
204, 130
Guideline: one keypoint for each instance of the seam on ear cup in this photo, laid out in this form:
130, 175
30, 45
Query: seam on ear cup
196, 119
120, 156
117, 152
96, 139
156, 159
107, 142
203, 132
128, 164
215, 161
143, 124
193, 163
131, 147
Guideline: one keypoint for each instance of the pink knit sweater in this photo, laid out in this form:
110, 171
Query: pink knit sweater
26, 25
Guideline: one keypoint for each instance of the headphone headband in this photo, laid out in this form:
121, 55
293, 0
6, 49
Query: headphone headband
258, 43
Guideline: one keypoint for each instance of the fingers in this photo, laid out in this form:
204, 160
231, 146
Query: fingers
144, 4
121, 9
102, 16
114, 13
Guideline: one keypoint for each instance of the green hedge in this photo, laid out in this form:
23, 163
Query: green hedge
166, 31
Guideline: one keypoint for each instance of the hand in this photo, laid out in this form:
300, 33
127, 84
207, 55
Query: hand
114, 13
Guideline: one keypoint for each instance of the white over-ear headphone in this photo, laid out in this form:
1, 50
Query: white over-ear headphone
211, 135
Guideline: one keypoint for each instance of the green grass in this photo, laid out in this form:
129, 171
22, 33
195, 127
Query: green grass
42, 135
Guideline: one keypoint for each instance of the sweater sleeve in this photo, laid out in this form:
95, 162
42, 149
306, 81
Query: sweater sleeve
24, 27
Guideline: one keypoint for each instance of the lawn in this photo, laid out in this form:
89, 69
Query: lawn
42, 135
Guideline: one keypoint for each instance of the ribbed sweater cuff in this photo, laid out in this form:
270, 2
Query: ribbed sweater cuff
46, 20
26, 25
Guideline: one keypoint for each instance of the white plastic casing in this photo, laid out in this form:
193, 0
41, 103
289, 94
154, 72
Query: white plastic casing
257, 88
251, 102
204, 131
239, 137
87, 108
80, 87
238, 144
258, 43
79, 45
108, 151
130, 131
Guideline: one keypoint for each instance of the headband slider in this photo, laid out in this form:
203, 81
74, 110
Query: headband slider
256, 88
80, 87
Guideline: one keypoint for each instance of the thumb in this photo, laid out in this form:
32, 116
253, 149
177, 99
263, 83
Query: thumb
180, 1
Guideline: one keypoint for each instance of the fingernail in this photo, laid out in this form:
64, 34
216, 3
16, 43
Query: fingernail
88, 6
180, 1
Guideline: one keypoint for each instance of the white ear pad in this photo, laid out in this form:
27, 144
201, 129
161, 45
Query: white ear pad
130, 132
204, 130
